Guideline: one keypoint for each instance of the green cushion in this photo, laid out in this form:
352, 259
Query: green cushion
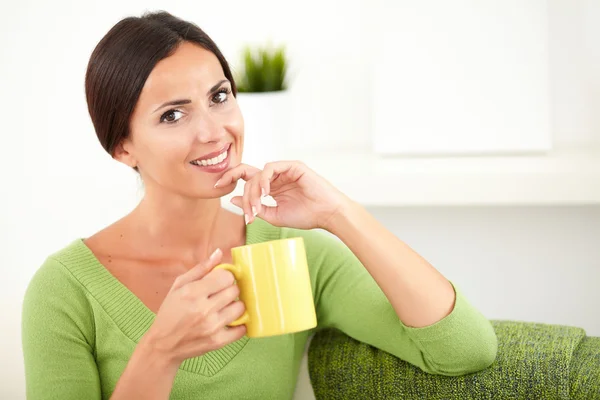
585, 370
534, 362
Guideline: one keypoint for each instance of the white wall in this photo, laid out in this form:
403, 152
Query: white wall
525, 263
575, 71
519, 263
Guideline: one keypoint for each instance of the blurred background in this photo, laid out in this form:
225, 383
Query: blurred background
471, 129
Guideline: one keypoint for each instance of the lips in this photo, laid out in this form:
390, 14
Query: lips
214, 163
213, 158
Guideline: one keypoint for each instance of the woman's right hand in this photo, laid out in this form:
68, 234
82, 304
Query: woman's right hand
193, 318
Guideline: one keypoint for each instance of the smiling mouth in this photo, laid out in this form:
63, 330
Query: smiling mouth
217, 159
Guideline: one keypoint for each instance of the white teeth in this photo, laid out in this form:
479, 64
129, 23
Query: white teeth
211, 161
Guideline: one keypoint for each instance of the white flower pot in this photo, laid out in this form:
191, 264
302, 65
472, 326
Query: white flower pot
266, 116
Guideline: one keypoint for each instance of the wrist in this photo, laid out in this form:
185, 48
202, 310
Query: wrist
155, 354
344, 214
149, 374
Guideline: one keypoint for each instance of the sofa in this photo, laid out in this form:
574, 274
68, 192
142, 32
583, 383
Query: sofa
534, 361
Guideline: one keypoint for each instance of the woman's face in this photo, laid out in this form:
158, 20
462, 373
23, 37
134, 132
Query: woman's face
186, 129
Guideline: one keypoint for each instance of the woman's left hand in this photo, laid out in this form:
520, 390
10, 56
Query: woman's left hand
304, 199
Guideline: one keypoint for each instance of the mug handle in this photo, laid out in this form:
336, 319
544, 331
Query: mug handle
237, 272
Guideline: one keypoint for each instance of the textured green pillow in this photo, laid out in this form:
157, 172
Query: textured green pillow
534, 362
585, 370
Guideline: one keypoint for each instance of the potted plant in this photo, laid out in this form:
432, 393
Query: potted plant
263, 99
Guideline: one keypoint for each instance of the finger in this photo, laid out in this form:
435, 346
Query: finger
251, 199
241, 171
232, 312
252, 196
219, 300
237, 201
199, 271
265, 186
246, 206
215, 281
200, 291
229, 335
272, 170
270, 214
234, 333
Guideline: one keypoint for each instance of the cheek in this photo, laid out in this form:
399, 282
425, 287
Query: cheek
234, 122
235, 127
167, 147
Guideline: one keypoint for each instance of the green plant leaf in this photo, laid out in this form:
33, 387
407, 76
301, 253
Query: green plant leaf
264, 69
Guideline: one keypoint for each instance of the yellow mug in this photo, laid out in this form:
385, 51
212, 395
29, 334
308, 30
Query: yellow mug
275, 287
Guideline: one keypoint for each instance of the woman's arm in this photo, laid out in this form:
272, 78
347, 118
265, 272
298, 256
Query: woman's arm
192, 320
374, 288
419, 294
58, 338
348, 298
149, 374
58, 346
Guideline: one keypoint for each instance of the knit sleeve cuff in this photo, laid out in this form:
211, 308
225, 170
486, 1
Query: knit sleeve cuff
462, 316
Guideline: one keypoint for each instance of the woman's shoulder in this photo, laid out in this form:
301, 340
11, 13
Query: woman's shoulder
57, 275
55, 300
69, 257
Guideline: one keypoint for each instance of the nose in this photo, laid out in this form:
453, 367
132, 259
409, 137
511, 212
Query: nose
209, 129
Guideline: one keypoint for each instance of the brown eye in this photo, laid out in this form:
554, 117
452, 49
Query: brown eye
221, 96
171, 116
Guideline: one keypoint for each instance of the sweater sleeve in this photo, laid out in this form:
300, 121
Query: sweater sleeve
58, 337
348, 298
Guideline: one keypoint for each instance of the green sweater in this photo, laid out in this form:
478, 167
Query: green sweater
81, 326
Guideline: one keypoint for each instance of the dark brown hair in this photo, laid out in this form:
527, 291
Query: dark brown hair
123, 60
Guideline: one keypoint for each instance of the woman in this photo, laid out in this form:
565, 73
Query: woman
136, 311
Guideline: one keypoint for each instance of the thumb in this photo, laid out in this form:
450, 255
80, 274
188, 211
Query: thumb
237, 201
199, 270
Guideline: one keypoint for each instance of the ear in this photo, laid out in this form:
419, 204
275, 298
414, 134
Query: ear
123, 153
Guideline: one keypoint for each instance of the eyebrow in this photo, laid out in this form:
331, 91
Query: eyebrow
180, 102
214, 88
173, 103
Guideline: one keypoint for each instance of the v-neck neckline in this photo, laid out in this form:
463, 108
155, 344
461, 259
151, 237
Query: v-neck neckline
133, 317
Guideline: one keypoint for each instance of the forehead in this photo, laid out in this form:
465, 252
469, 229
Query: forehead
190, 71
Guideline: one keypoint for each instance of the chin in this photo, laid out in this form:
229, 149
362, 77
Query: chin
215, 193
224, 191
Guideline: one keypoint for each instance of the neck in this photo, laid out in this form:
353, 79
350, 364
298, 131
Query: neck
191, 228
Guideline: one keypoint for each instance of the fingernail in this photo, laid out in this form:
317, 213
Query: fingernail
215, 253
217, 183
263, 192
254, 212
246, 218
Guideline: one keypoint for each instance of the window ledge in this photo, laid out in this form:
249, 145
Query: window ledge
562, 177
